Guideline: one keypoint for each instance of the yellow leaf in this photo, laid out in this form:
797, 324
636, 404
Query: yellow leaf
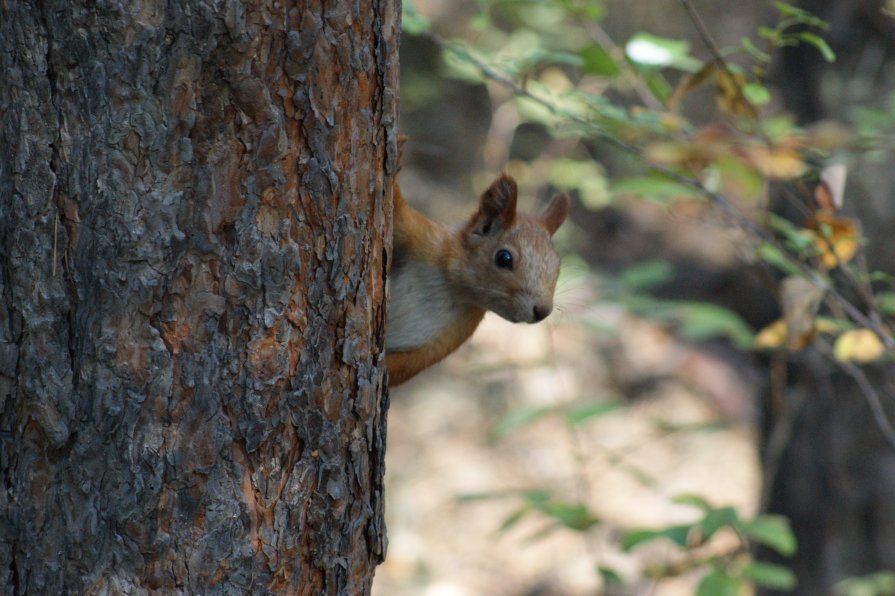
772, 336
776, 162
667, 153
836, 238
671, 122
858, 345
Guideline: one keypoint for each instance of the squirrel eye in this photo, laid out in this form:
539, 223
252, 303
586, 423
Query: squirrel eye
504, 259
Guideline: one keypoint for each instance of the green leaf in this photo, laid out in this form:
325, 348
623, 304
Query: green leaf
788, 10
700, 320
535, 498
513, 518
645, 275
658, 86
581, 414
771, 35
772, 531
472, 497
574, 516
677, 534
758, 95
779, 128
651, 50
597, 61
461, 62
769, 575
885, 301
718, 583
657, 188
772, 256
636, 537
794, 15
798, 239
694, 427
568, 58
586, 176
693, 501
610, 576
739, 179
753, 51
411, 21
881, 583
818, 42
716, 519
518, 418
480, 21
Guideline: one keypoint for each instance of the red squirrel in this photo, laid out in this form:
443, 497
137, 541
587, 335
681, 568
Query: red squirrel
443, 280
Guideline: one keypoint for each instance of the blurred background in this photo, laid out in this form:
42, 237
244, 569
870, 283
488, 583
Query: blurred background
643, 440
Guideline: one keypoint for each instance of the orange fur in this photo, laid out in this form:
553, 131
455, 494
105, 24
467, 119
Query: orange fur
405, 365
444, 280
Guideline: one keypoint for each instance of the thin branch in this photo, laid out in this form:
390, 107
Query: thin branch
738, 218
599, 35
871, 395
707, 39
713, 49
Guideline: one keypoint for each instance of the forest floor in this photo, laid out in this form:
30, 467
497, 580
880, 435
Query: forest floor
683, 425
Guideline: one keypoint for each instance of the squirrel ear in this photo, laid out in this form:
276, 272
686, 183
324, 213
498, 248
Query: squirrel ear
555, 213
401, 141
497, 207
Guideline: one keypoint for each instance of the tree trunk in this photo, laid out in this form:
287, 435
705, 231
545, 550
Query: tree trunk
195, 212
828, 466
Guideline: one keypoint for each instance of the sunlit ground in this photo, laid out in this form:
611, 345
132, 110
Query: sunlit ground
626, 465
492, 419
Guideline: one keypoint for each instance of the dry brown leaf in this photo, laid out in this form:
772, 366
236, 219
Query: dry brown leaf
800, 300
729, 95
689, 83
836, 238
831, 189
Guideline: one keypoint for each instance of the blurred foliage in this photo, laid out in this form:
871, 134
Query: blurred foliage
693, 320
621, 127
875, 584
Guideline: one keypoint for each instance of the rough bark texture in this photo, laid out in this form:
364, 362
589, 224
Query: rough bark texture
835, 475
195, 202
829, 468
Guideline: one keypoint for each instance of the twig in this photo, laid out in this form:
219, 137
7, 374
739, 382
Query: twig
871, 396
715, 198
599, 35
787, 405
707, 39
713, 49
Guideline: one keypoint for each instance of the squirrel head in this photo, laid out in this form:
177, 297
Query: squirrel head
508, 263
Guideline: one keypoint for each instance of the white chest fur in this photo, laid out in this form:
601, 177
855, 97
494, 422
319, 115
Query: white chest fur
420, 307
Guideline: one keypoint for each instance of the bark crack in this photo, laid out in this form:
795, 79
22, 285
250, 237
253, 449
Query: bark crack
57, 166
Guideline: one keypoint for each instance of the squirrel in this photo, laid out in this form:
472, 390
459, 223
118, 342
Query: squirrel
443, 280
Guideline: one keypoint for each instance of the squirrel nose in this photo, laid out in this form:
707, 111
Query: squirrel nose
541, 311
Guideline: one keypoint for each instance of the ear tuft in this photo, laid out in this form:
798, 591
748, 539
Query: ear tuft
497, 206
555, 213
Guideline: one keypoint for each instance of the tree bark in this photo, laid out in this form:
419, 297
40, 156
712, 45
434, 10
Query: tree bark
830, 471
195, 212
828, 466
